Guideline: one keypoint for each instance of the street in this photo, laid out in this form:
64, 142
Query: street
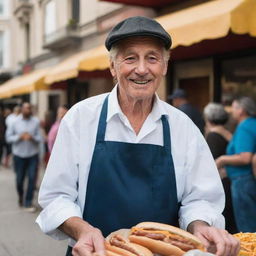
19, 234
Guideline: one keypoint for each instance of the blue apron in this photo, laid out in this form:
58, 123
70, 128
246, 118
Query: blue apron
129, 183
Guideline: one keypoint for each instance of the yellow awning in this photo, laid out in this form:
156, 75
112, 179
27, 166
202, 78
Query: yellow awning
24, 84
88, 60
66, 69
96, 59
5, 92
210, 20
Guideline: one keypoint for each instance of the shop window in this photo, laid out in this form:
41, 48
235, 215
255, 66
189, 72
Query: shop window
50, 18
238, 78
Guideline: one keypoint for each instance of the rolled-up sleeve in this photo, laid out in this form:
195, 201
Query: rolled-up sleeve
58, 192
203, 196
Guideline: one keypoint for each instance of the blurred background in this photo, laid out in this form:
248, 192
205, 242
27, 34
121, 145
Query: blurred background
52, 53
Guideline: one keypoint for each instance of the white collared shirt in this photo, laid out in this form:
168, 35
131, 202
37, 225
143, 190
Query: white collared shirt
63, 189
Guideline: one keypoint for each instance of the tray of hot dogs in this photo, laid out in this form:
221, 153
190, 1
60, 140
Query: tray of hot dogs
151, 238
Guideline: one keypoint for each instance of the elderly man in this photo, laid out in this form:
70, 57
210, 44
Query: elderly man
126, 157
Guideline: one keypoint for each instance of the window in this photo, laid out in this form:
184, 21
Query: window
50, 18
75, 9
1, 49
238, 78
4, 49
3, 7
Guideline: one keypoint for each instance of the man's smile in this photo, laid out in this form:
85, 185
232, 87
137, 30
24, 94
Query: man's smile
140, 81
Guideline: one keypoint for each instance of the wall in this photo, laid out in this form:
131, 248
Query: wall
40, 100
90, 10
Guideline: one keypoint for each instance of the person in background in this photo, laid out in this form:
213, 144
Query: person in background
126, 156
10, 119
62, 110
217, 137
180, 101
24, 135
46, 125
238, 164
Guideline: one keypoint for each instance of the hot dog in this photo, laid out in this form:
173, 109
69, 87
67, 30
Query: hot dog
164, 239
117, 245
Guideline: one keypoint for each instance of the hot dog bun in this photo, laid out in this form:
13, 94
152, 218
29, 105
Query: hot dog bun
164, 239
117, 245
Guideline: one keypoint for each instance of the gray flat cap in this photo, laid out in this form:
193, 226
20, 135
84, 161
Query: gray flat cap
137, 26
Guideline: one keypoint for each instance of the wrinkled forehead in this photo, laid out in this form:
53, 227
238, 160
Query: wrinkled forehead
140, 41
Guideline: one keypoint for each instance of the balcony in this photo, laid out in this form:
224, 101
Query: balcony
23, 10
62, 37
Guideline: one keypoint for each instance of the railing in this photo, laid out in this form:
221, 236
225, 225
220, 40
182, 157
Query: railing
61, 36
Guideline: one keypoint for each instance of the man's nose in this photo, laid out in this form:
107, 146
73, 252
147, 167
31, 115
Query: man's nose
141, 68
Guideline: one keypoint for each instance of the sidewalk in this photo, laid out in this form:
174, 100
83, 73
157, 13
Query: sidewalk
19, 235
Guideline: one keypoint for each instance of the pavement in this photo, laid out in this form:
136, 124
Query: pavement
19, 234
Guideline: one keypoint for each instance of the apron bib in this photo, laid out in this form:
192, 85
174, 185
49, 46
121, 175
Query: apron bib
129, 183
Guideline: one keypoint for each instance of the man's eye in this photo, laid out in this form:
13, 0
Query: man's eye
152, 58
129, 58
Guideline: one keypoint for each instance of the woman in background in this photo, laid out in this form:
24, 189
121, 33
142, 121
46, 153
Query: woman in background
62, 110
217, 137
238, 163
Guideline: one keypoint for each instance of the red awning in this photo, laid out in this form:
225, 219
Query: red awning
147, 3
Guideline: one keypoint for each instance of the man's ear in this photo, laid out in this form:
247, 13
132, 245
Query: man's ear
112, 68
166, 65
165, 68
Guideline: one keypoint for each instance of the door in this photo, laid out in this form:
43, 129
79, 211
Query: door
198, 90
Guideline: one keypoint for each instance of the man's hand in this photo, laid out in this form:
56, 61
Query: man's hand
89, 239
220, 162
25, 136
217, 241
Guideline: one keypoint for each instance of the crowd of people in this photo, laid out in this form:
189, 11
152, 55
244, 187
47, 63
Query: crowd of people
234, 154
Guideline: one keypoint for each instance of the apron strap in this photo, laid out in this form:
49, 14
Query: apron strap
102, 122
166, 134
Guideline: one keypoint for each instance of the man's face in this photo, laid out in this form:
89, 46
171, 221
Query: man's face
176, 102
236, 110
26, 110
139, 67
